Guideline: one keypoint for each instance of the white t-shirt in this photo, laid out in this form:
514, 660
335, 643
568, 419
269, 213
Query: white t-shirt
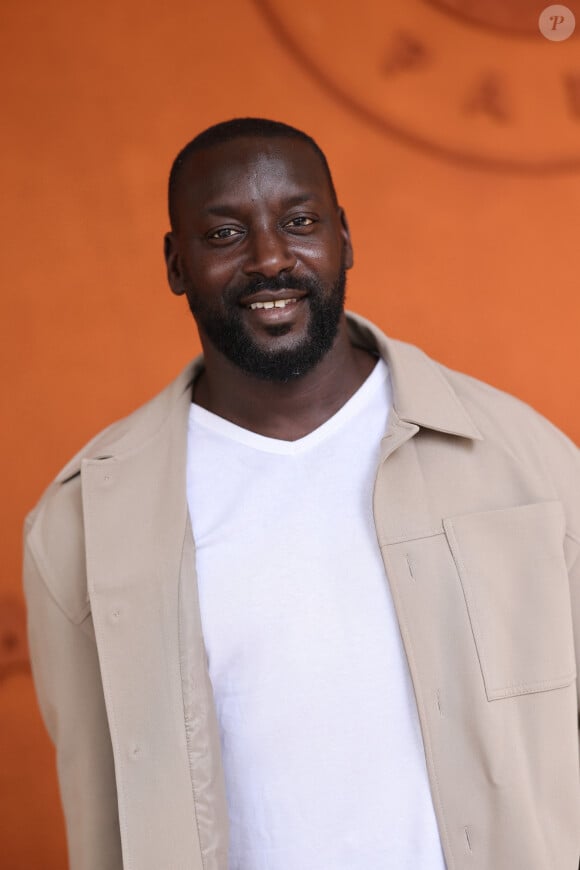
322, 750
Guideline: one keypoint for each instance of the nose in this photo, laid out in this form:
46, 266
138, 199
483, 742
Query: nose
269, 254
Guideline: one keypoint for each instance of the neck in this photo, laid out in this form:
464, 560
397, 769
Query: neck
287, 411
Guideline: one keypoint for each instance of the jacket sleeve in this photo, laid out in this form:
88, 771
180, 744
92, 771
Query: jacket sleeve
66, 674
561, 458
564, 459
573, 546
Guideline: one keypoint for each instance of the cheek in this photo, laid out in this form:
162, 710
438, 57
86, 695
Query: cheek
325, 266
214, 273
206, 283
326, 255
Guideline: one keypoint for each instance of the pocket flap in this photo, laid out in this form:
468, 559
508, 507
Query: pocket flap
513, 573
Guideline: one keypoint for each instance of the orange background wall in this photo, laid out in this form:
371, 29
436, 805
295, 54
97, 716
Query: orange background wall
454, 137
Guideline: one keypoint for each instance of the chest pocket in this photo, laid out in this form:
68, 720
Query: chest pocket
514, 579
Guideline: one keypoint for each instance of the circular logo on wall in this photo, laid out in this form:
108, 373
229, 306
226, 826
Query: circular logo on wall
473, 81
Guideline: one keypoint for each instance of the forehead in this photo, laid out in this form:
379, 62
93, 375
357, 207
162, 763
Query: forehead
252, 168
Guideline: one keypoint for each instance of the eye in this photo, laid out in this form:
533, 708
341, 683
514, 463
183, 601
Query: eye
301, 221
223, 233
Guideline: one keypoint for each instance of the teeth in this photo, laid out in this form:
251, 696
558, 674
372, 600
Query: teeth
277, 303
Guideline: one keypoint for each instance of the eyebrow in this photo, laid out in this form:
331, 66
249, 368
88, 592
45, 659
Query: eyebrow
225, 209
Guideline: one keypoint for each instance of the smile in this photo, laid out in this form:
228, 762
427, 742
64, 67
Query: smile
272, 303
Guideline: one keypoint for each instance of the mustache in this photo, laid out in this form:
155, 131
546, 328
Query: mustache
280, 282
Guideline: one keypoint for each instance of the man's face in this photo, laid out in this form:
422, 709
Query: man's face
256, 225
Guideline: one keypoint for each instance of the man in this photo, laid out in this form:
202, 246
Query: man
315, 605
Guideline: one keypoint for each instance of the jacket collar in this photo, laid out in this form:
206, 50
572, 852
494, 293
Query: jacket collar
422, 394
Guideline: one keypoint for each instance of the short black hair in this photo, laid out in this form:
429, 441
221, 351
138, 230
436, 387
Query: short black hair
238, 128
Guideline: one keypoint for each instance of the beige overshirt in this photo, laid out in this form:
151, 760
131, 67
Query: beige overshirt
477, 513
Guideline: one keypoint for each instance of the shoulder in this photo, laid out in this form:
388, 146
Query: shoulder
54, 529
520, 430
499, 416
503, 417
426, 390
502, 435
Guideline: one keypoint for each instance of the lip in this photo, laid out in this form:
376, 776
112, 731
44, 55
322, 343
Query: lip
272, 296
270, 316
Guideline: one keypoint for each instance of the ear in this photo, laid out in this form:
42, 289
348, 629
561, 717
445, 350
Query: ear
173, 263
345, 232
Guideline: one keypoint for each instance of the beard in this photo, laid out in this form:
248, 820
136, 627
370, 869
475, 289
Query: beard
227, 332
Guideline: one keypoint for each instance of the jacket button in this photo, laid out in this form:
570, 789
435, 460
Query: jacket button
134, 751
